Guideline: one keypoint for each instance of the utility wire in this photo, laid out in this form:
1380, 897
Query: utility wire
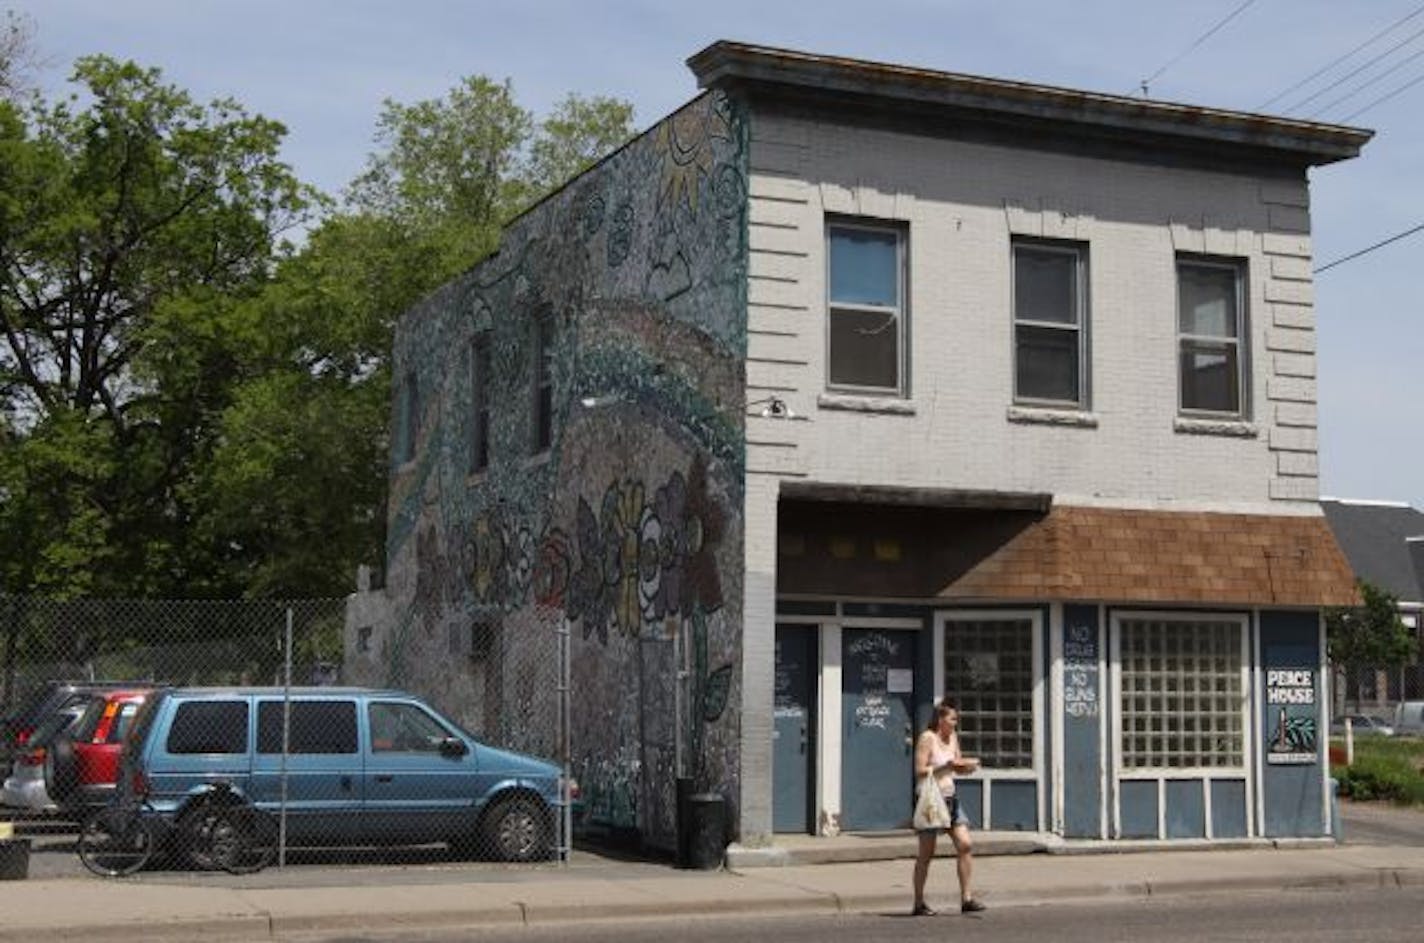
1334, 62
1383, 98
1356, 71
1366, 84
1369, 249
1185, 52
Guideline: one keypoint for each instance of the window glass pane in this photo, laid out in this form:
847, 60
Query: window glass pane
865, 267
1207, 300
209, 727
1181, 724
988, 670
1209, 377
1047, 363
316, 727
865, 349
403, 728
1045, 285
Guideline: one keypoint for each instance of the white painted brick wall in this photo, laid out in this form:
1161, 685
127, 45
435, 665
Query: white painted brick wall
962, 203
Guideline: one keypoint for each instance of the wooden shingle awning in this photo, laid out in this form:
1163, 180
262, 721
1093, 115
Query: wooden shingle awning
1147, 556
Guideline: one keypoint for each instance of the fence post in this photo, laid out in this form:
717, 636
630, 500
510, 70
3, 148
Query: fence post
286, 743
566, 814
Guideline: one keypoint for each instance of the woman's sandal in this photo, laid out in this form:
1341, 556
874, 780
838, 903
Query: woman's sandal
923, 910
972, 906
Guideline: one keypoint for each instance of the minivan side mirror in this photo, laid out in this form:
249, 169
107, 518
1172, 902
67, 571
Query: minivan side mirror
453, 747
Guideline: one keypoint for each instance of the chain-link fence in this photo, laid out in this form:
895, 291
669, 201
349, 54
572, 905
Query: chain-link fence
182, 711
1376, 691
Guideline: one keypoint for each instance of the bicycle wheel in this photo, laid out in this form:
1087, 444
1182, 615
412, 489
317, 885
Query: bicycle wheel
198, 833
116, 842
244, 840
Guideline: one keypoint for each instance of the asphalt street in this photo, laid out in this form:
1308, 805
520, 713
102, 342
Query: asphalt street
1336, 916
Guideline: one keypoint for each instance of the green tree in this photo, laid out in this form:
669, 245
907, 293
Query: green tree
132, 222
297, 494
1368, 636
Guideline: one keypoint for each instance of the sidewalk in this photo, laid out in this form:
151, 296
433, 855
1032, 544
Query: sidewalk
220, 908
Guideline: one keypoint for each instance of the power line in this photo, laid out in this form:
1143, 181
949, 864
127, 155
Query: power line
1369, 249
1334, 62
1200, 39
1383, 98
1356, 71
1367, 83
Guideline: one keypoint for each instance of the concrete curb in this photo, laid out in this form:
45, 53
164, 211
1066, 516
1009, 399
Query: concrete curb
253, 917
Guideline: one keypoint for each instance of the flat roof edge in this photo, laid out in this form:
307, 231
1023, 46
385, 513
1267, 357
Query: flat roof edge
727, 64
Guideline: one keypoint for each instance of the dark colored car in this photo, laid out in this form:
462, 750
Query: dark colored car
51, 698
81, 765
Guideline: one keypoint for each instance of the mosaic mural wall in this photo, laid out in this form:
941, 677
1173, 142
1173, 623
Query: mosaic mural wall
628, 528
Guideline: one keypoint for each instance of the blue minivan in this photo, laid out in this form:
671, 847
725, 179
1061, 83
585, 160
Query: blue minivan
343, 766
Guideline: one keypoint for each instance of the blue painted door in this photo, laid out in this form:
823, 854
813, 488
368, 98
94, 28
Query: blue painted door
877, 728
793, 728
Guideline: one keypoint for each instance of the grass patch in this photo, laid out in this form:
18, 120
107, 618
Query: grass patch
1385, 768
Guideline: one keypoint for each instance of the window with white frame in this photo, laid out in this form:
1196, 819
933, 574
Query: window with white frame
480, 402
866, 313
1182, 694
1211, 336
1050, 320
543, 389
988, 672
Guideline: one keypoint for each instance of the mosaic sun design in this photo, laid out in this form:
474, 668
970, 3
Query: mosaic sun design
685, 143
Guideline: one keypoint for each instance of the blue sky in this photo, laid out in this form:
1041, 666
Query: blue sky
323, 67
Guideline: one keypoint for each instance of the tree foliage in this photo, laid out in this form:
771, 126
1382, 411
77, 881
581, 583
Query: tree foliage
188, 405
131, 225
1371, 635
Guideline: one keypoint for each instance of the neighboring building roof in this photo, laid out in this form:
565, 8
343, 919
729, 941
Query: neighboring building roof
1375, 536
960, 102
1137, 556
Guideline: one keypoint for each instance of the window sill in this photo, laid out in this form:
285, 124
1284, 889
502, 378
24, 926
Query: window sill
538, 458
1051, 416
1233, 428
476, 478
866, 404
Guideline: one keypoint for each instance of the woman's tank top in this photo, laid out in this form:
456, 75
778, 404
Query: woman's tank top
940, 754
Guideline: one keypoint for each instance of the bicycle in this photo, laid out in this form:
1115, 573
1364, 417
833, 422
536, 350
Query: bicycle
118, 839
221, 831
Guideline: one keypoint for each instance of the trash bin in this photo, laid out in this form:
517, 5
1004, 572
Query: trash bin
14, 859
707, 831
684, 822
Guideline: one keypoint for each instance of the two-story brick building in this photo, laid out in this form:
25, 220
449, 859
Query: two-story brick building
851, 385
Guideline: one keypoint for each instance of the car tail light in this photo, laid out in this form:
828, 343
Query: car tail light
34, 757
138, 783
22, 736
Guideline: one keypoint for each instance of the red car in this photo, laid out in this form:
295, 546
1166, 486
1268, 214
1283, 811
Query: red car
82, 765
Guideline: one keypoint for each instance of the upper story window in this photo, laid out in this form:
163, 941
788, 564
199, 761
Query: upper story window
543, 391
1211, 332
480, 403
410, 417
1050, 323
866, 317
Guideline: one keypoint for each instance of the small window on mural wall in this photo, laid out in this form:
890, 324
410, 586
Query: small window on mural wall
483, 637
543, 392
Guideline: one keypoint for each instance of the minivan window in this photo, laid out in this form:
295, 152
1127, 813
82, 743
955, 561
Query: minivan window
317, 727
404, 728
209, 727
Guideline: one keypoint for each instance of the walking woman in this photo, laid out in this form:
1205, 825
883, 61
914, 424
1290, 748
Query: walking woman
937, 753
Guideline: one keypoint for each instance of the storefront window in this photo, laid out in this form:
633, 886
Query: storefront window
988, 670
1182, 694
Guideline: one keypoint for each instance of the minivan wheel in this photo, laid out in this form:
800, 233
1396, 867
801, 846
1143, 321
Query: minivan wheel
518, 829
